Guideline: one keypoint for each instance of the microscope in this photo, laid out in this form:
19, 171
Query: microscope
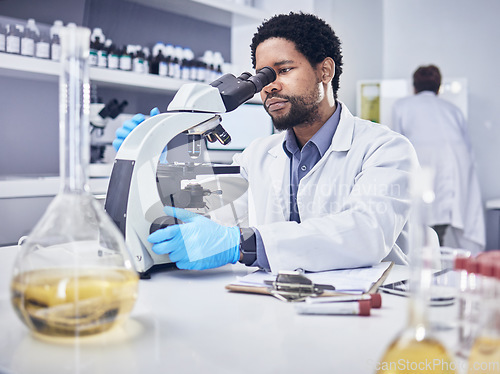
147, 175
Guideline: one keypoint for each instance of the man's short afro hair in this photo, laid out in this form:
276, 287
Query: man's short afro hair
312, 37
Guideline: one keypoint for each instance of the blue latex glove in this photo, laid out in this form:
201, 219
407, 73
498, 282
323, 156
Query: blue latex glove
197, 244
129, 125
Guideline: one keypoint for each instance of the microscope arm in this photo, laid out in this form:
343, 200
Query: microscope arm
132, 200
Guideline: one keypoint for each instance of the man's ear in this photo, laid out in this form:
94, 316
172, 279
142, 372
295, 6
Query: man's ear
327, 69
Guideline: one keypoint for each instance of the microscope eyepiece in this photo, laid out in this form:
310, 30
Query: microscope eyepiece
263, 77
235, 91
245, 75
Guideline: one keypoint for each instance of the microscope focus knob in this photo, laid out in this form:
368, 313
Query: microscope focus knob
162, 222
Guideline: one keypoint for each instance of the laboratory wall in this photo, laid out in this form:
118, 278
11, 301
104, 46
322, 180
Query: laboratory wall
460, 37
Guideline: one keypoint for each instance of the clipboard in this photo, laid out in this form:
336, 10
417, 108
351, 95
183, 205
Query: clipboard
291, 290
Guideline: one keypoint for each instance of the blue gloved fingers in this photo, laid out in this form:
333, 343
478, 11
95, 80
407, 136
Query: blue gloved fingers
133, 122
154, 111
174, 248
182, 214
117, 143
167, 233
121, 133
199, 243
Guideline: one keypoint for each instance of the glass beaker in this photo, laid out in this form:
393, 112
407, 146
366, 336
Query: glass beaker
415, 349
73, 275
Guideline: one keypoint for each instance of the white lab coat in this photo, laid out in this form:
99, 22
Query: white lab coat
353, 204
438, 131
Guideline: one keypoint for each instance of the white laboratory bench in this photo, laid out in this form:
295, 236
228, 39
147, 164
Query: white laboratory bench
187, 322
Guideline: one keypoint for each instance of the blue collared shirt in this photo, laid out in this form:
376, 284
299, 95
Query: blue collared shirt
301, 162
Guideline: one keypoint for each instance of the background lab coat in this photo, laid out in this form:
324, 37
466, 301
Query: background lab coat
438, 131
353, 204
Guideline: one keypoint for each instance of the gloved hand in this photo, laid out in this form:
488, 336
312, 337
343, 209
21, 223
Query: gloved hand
197, 244
129, 125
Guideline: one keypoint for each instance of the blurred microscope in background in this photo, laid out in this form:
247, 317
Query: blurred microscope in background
100, 117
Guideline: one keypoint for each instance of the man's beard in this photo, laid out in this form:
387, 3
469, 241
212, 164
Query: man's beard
303, 110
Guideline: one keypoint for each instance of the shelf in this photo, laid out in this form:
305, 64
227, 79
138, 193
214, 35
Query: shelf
17, 66
134, 81
42, 187
219, 12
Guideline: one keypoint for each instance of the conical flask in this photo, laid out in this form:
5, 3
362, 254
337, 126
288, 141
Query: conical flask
415, 349
73, 275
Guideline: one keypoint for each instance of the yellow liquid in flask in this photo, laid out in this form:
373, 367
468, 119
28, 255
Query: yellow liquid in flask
411, 357
69, 303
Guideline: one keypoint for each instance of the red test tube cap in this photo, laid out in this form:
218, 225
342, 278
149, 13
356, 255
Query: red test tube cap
486, 268
364, 307
461, 263
472, 266
376, 300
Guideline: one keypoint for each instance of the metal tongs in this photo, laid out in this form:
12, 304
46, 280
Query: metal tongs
295, 286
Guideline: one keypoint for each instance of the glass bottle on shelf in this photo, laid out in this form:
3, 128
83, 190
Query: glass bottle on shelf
13, 39
55, 41
73, 275
415, 349
3, 35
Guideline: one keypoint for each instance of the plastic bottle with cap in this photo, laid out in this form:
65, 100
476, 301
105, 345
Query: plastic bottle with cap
126, 59
158, 59
137, 60
55, 40
98, 55
28, 43
29, 38
208, 59
169, 56
175, 63
31, 25
3, 35
186, 63
42, 46
218, 63
201, 71
163, 64
416, 345
113, 55
147, 58
193, 72
13, 39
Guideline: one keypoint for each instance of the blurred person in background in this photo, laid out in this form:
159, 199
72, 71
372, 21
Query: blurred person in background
438, 131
